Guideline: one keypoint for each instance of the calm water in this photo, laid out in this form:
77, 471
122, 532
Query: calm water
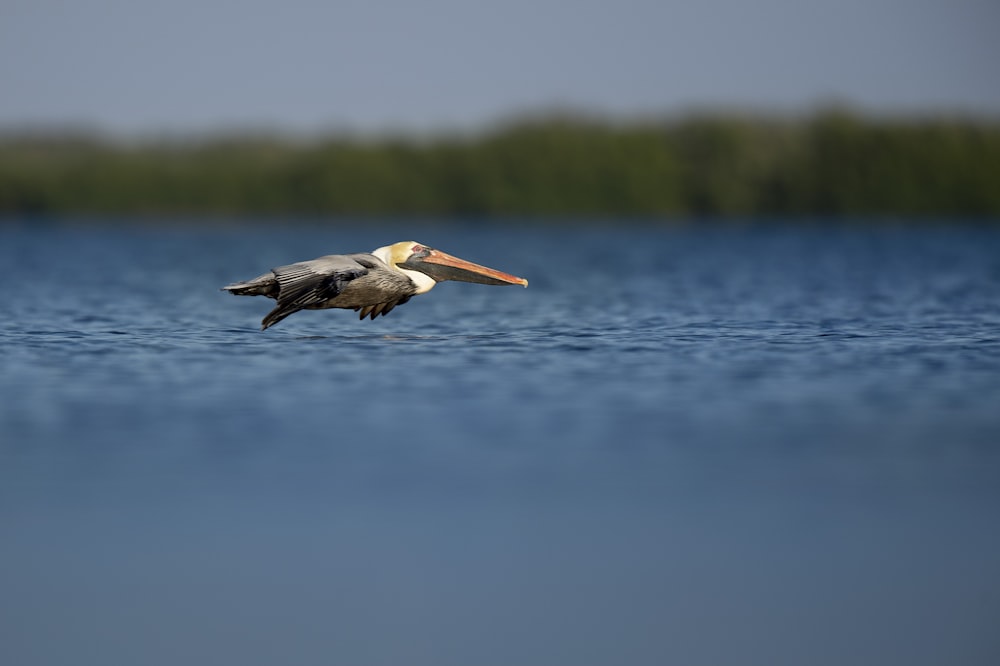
726, 446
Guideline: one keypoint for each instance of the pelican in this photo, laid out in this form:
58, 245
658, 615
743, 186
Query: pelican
372, 283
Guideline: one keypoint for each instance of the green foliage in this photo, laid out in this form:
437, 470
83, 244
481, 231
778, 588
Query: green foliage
833, 163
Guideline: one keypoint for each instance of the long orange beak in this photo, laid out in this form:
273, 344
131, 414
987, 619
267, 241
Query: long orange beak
442, 266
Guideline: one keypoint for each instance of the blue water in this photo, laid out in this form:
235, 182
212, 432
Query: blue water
720, 445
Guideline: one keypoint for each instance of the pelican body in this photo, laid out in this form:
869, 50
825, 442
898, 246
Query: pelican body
372, 283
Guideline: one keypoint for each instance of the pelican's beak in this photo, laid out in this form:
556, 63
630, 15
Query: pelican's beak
442, 266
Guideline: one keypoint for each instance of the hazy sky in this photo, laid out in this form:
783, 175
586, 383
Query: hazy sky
183, 65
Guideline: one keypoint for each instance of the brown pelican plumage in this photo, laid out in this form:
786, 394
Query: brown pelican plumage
372, 283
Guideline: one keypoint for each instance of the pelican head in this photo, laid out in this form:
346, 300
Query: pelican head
413, 258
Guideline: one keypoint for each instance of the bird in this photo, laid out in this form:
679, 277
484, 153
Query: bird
371, 283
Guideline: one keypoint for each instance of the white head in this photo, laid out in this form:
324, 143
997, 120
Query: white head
399, 253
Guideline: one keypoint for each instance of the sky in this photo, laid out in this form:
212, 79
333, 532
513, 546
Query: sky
183, 66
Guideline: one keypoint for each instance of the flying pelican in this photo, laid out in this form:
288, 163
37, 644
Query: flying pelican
373, 283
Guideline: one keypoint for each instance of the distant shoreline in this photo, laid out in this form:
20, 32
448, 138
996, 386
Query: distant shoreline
829, 165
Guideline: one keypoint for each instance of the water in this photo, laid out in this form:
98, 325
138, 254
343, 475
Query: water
697, 446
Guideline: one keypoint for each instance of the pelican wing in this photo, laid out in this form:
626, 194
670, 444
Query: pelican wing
309, 283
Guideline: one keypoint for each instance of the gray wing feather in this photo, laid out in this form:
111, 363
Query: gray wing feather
313, 282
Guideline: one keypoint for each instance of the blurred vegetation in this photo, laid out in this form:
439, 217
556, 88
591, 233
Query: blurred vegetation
833, 163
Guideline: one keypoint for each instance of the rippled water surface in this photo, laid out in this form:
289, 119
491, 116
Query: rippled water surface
696, 446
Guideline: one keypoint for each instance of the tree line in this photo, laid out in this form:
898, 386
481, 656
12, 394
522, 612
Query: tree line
832, 163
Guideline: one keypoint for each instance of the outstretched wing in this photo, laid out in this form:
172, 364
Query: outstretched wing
309, 283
